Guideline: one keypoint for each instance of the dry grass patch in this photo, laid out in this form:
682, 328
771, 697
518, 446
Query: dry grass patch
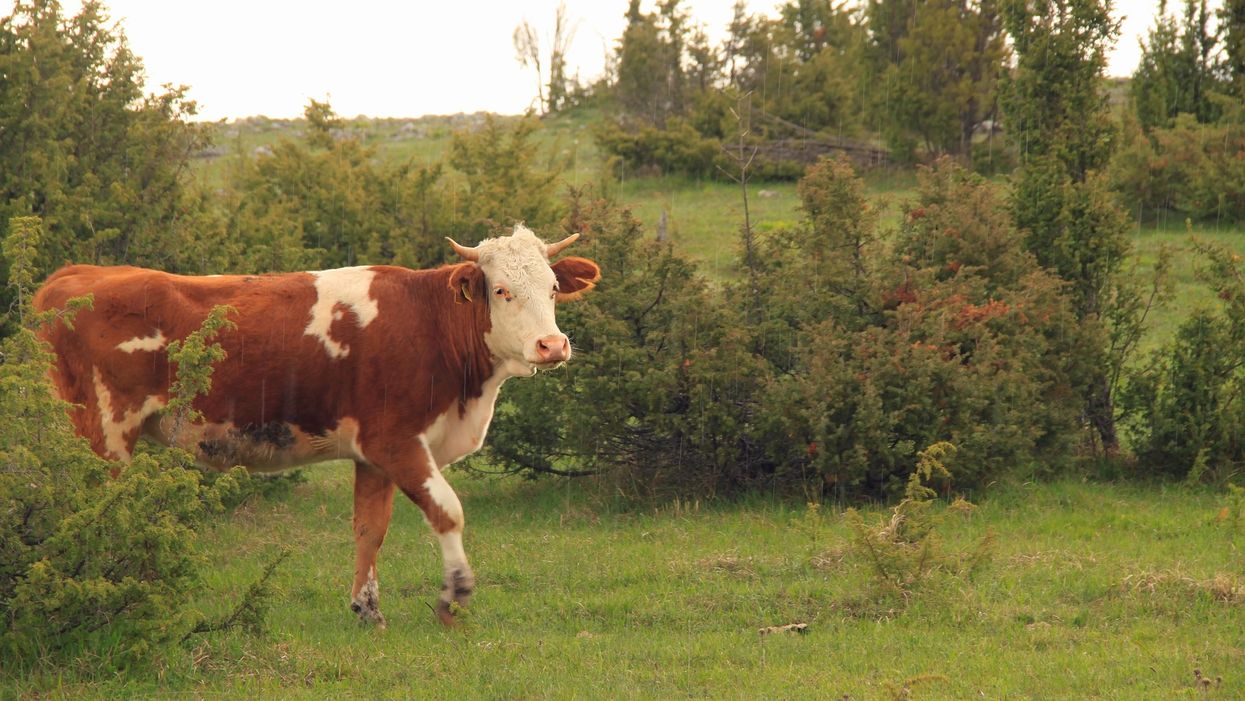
1223, 587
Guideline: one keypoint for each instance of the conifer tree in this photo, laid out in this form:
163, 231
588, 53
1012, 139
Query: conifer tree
1057, 115
85, 148
939, 63
1178, 71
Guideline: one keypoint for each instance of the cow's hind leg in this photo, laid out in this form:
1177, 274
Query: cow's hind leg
373, 507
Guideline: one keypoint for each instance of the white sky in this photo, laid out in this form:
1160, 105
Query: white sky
387, 58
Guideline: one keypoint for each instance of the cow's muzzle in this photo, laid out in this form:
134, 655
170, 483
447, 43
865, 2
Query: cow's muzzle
553, 350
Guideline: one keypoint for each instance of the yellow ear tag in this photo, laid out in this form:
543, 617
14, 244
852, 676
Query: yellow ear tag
466, 291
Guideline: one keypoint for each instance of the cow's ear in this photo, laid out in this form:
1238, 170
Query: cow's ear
575, 277
467, 282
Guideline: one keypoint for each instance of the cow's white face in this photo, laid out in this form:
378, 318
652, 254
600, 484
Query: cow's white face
522, 289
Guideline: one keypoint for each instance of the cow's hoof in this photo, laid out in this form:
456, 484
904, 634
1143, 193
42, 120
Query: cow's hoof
459, 585
445, 613
368, 614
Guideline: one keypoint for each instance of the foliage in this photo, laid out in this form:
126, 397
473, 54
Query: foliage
82, 146
1184, 406
324, 201
1188, 167
799, 65
1059, 121
905, 549
660, 382
1177, 71
1232, 30
194, 357
825, 369
938, 65
505, 181
87, 563
957, 335
650, 62
676, 148
673, 93
251, 612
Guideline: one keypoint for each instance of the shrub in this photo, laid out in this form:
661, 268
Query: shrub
1189, 168
959, 337
1184, 408
846, 357
659, 390
87, 562
676, 148
905, 549
505, 182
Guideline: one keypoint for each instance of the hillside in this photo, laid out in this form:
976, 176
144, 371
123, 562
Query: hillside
703, 215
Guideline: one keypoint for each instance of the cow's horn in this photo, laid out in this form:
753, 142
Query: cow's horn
554, 249
465, 253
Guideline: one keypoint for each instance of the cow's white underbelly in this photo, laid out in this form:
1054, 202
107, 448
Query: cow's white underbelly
453, 436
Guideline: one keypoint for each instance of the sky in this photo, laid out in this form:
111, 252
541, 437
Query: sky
387, 58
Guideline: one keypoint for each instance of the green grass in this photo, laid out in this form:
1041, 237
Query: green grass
704, 217
1094, 591
1188, 293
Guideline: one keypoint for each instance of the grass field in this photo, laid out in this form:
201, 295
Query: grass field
1093, 591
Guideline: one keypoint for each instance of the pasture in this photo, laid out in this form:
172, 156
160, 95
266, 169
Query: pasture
1091, 591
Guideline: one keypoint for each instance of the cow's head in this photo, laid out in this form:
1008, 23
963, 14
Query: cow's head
522, 287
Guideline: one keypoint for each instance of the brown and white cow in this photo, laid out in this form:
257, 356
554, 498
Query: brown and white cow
395, 369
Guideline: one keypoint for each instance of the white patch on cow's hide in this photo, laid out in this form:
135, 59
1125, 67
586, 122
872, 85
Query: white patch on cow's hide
440, 491
144, 343
114, 430
367, 602
346, 286
453, 557
452, 437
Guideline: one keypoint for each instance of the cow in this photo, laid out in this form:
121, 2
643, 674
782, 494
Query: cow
397, 370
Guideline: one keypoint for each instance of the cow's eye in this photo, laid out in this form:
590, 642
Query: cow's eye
503, 293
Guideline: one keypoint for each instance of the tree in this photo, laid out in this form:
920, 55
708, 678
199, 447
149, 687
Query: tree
104, 164
554, 95
798, 66
643, 85
325, 201
940, 63
1178, 68
88, 565
505, 182
1057, 115
1232, 29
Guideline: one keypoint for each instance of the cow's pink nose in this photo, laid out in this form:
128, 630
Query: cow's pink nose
553, 349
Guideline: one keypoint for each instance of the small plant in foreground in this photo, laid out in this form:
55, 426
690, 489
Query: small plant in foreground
905, 549
87, 563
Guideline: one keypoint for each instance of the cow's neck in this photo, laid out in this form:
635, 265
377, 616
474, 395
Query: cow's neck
460, 431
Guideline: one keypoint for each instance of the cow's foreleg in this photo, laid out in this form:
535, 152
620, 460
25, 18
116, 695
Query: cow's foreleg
417, 475
373, 506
